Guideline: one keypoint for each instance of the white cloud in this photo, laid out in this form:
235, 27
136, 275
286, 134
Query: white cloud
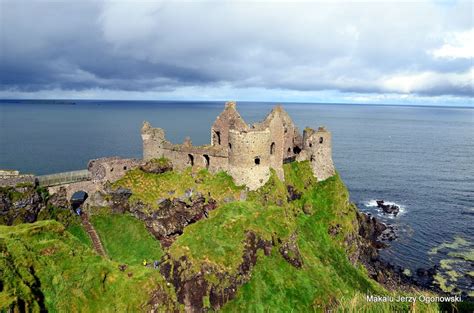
457, 45
431, 82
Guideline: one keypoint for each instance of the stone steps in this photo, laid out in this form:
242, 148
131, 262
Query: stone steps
93, 234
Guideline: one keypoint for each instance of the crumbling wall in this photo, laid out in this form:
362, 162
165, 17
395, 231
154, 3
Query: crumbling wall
249, 157
318, 145
152, 141
12, 178
228, 119
112, 168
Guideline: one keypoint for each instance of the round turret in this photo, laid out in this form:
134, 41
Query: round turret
249, 157
318, 146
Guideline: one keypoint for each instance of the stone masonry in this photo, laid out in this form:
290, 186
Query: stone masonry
246, 152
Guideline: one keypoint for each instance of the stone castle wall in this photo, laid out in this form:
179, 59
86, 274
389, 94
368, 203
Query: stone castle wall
235, 147
111, 169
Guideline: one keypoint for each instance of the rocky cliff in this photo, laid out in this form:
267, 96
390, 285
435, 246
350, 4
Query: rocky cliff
297, 245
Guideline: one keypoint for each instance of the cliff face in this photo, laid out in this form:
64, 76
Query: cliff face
27, 204
288, 246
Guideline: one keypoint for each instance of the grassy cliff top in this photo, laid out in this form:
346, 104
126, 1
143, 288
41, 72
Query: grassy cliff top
150, 188
43, 266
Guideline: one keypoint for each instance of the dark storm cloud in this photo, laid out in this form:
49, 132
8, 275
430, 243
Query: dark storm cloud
155, 46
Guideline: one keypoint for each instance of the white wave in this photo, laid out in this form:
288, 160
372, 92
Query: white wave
373, 203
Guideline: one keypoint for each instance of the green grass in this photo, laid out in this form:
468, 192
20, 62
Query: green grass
149, 187
219, 240
78, 231
44, 266
126, 239
327, 280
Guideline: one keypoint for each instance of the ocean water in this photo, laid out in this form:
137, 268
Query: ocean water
421, 158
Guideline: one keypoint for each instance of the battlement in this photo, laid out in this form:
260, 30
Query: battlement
246, 152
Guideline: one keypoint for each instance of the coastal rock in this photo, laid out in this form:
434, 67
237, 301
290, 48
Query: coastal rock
371, 234
371, 229
388, 208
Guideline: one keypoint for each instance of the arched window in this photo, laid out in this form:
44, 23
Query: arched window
217, 137
230, 145
321, 139
272, 148
257, 161
296, 150
191, 159
207, 160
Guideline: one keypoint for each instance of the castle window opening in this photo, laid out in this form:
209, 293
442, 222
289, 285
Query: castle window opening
218, 137
272, 148
191, 159
312, 158
230, 145
111, 169
296, 150
310, 144
207, 160
257, 161
289, 150
124, 168
321, 139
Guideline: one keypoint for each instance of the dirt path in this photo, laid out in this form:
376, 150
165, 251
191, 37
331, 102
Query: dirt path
93, 234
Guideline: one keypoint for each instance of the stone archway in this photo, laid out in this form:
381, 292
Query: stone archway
207, 160
78, 198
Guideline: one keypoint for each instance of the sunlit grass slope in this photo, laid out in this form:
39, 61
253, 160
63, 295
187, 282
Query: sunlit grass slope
126, 239
43, 266
327, 280
149, 187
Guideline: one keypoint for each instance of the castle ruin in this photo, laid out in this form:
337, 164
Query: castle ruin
246, 152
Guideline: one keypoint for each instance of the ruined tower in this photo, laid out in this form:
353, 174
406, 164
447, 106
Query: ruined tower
152, 141
318, 148
249, 157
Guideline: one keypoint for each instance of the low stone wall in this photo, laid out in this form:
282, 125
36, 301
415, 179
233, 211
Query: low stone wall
13, 180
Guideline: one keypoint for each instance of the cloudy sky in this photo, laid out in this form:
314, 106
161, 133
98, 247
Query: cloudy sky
362, 52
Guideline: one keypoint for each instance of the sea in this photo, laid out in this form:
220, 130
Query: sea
418, 157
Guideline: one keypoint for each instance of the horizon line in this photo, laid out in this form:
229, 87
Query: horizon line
248, 101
